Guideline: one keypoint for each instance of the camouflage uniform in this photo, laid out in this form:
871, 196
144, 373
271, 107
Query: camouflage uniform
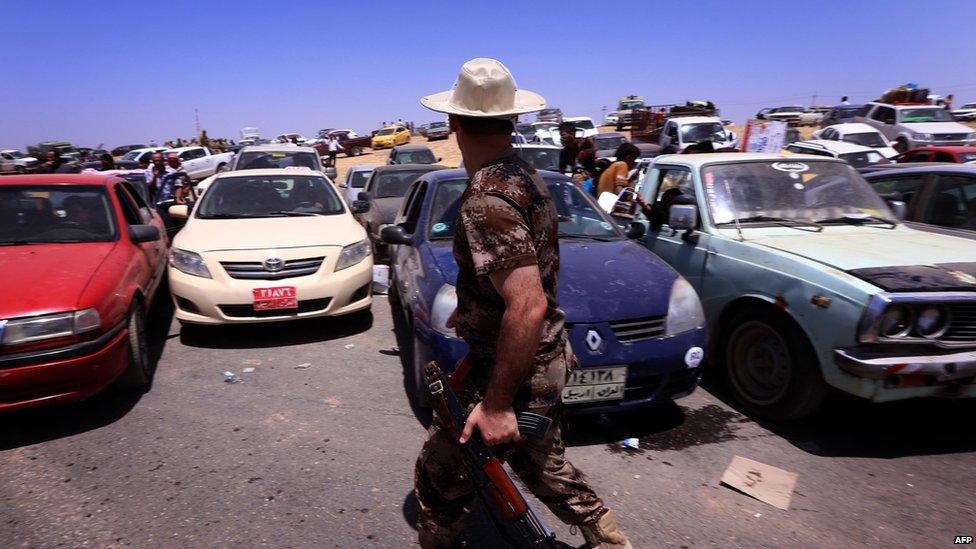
506, 219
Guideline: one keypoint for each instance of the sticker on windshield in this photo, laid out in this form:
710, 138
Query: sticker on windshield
694, 357
790, 167
439, 227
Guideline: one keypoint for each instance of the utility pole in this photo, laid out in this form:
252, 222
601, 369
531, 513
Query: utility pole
196, 115
813, 101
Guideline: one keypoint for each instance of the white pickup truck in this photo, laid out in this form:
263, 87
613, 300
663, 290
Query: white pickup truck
681, 131
200, 163
14, 161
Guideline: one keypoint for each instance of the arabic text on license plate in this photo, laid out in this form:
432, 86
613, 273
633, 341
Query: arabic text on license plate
283, 297
593, 384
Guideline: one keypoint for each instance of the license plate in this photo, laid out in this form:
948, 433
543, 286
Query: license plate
283, 297
593, 384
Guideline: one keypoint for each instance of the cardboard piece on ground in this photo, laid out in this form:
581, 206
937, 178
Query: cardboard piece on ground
766, 483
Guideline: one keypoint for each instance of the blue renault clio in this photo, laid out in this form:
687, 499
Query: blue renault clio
635, 324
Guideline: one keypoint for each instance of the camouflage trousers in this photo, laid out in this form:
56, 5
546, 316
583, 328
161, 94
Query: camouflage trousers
445, 493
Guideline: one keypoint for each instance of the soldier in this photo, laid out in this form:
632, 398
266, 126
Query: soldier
505, 244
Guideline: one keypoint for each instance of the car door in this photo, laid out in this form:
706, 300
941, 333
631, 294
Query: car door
405, 260
687, 254
194, 162
151, 265
883, 118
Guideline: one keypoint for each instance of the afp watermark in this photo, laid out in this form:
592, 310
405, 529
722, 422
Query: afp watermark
963, 540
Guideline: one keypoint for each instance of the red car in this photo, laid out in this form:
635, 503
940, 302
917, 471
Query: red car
957, 155
81, 258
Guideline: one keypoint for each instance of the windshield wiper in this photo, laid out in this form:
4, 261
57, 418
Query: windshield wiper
779, 221
296, 214
857, 219
585, 237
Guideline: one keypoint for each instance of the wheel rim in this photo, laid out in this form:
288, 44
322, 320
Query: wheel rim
759, 363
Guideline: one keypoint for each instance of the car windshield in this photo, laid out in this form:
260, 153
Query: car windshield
524, 128
357, 180
867, 139
548, 111
258, 160
927, 114
437, 125
15, 154
583, 124
861, 159
395, 183
626, 105
807, 191
423, 156
706, 131
846, 112
132, 155
789, 109
579, 215
540, 159
609, 142
32, 214
386, 131
269, 196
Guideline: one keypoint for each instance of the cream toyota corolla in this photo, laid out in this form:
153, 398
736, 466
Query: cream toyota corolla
266, 245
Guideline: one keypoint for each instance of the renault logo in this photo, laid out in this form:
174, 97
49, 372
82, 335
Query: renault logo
593, 340
274, 264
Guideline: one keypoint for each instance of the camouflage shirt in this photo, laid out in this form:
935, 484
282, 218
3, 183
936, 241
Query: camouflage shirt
506, 219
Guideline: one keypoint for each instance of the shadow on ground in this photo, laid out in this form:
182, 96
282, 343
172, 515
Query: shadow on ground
48, 423
404, 338
275, 334
847, 426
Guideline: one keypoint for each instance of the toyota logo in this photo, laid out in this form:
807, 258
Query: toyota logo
593, 340
274, 264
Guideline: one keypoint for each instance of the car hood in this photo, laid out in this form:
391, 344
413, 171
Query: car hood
937, 127
58, 288
599, 281
210, 235
870, 252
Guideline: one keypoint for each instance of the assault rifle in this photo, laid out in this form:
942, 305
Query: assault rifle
495, 488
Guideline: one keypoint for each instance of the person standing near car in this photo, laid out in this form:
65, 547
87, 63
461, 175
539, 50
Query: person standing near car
334, 148
507, 252
572, 146
616, 176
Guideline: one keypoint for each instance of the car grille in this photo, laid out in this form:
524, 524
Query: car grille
950, 136
247, 310
254, 270
962, 324
639, 329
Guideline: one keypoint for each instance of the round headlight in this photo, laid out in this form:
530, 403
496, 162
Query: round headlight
896, 321
932, 321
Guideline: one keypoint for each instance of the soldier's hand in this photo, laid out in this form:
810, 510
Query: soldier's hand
495, 426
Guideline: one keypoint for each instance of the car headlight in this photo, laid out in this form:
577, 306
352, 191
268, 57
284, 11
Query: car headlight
188, 262
445, 303
684, 309
922, 136
932, 321
353, 254
897, 321
24, 330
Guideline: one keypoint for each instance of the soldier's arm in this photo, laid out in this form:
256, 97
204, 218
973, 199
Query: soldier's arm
521, 330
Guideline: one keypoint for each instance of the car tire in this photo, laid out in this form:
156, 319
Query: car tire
20, 170
354, 151
770, 366
901, 145
138, 373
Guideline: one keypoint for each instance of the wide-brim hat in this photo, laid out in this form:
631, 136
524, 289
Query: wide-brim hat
485, 88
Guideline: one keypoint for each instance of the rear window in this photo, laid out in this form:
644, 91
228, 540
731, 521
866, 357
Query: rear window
394, 184
256, 160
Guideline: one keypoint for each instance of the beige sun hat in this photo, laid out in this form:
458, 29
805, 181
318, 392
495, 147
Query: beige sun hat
485, 88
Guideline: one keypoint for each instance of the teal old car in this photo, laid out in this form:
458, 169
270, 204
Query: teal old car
810, 282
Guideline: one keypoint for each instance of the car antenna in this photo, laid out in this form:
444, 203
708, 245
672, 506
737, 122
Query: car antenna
735, 216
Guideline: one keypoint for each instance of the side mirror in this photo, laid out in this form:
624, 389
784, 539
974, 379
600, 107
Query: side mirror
360, 206
683, 217
363, 195
179, 211
343, 185
394, 234
899, 208
145, 233
636, 230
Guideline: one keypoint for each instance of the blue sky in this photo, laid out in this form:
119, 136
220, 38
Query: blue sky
116, 73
